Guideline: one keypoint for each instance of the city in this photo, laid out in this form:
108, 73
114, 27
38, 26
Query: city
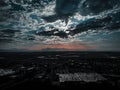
59, 69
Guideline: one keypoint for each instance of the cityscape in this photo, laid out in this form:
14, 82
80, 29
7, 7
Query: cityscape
59, 69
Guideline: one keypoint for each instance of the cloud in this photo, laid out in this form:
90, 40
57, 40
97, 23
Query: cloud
55, 32
7, 36
41, 24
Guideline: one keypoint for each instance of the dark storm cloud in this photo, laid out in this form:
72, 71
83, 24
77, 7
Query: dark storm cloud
96, 6
16, 7
85, 7
55, 17
7, 35
66, 8
2, 3
110, 22
19, 5
5, 40
54, 32
63, 9
2, 16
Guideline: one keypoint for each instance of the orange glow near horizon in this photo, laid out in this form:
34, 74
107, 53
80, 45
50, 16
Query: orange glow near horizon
60, 46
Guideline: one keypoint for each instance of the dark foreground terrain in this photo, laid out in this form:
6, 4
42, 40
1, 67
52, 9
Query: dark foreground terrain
59, 69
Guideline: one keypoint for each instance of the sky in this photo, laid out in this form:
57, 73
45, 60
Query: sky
59, 25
